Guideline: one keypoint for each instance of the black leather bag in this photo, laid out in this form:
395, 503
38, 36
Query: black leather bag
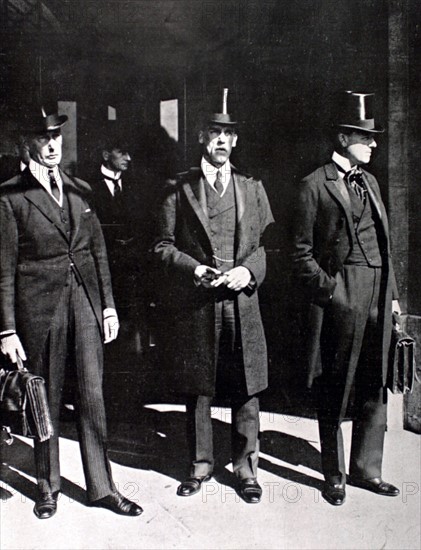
23, 403
401, 371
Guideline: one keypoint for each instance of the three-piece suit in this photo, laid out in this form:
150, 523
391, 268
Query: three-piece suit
215, 337
342, 260
55, 284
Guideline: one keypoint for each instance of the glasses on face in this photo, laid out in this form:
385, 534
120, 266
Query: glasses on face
216, 131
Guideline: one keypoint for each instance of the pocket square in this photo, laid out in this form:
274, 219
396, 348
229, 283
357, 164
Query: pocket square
87, 210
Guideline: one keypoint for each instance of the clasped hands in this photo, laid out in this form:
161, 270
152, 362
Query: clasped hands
236, 278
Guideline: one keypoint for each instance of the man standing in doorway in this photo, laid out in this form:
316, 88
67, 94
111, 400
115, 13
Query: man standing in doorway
117, 199
342, 260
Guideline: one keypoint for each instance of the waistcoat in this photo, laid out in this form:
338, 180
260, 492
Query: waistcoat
222, 221
365, 246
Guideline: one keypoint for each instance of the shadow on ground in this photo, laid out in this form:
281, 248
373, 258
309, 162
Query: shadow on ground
158, 442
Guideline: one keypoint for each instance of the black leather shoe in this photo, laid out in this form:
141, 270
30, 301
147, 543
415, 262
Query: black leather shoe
191, 486
334, 493
46, 505
118, 504
250, 491
375, 485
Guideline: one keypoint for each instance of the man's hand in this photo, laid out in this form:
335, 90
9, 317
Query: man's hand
237, 278
207, 276
11, 347
396, 308
111, 325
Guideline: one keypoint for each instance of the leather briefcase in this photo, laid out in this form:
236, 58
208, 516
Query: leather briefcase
402, 367
23, 403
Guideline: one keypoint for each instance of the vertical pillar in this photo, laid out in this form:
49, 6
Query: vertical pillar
398, 143
400, 184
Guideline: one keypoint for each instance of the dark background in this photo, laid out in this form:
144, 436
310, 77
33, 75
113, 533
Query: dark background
281, 60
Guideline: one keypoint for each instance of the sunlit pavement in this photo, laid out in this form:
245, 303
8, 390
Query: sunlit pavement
150, 458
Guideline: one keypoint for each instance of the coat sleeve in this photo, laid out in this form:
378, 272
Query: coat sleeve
306, 269
164, 247
256, 261
8, 261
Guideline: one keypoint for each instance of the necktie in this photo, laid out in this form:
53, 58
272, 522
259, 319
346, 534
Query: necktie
117, 190
53, 185
354, 178
218, 183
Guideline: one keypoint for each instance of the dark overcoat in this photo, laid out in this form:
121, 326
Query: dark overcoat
322, 235
184, 242
36, 257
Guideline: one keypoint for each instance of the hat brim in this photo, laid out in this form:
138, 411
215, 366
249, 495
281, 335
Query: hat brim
221, 118
376, 130
56, 123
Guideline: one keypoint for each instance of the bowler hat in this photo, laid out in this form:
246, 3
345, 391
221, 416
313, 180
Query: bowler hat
355, 110
40, 120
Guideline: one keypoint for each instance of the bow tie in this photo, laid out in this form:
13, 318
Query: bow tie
354, 178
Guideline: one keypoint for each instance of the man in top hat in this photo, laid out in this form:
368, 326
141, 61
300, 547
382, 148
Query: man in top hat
342, 260
209, 245
56, 305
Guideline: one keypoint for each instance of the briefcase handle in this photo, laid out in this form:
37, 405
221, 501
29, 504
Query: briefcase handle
19, 363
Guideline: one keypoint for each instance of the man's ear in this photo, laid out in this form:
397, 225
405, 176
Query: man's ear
105, 155
234, 140
343, 139
201, 137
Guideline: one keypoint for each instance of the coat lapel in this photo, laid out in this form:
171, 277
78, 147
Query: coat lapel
337, 188
194, 189
39, 197
243, 200
375, 201
75, 204
241, 193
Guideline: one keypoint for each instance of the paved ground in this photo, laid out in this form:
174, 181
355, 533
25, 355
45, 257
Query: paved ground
150, 457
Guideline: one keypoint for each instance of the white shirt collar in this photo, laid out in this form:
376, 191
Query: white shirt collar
110, 177
342, 162
209, 171
40, 173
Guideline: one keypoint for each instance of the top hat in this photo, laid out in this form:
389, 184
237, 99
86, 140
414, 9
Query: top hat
354, 110
223, 118
39, 120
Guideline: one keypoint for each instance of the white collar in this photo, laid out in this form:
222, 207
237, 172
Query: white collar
40, 173
109, 174
342, 162
111, 178
209, 171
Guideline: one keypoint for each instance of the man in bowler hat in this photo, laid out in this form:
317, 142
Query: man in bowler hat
209, 246
56, 305
342, 260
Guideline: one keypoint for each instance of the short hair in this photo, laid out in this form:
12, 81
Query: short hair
114, 138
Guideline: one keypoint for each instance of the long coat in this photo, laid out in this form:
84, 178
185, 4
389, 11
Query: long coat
36, 256
322, 237
184, 242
